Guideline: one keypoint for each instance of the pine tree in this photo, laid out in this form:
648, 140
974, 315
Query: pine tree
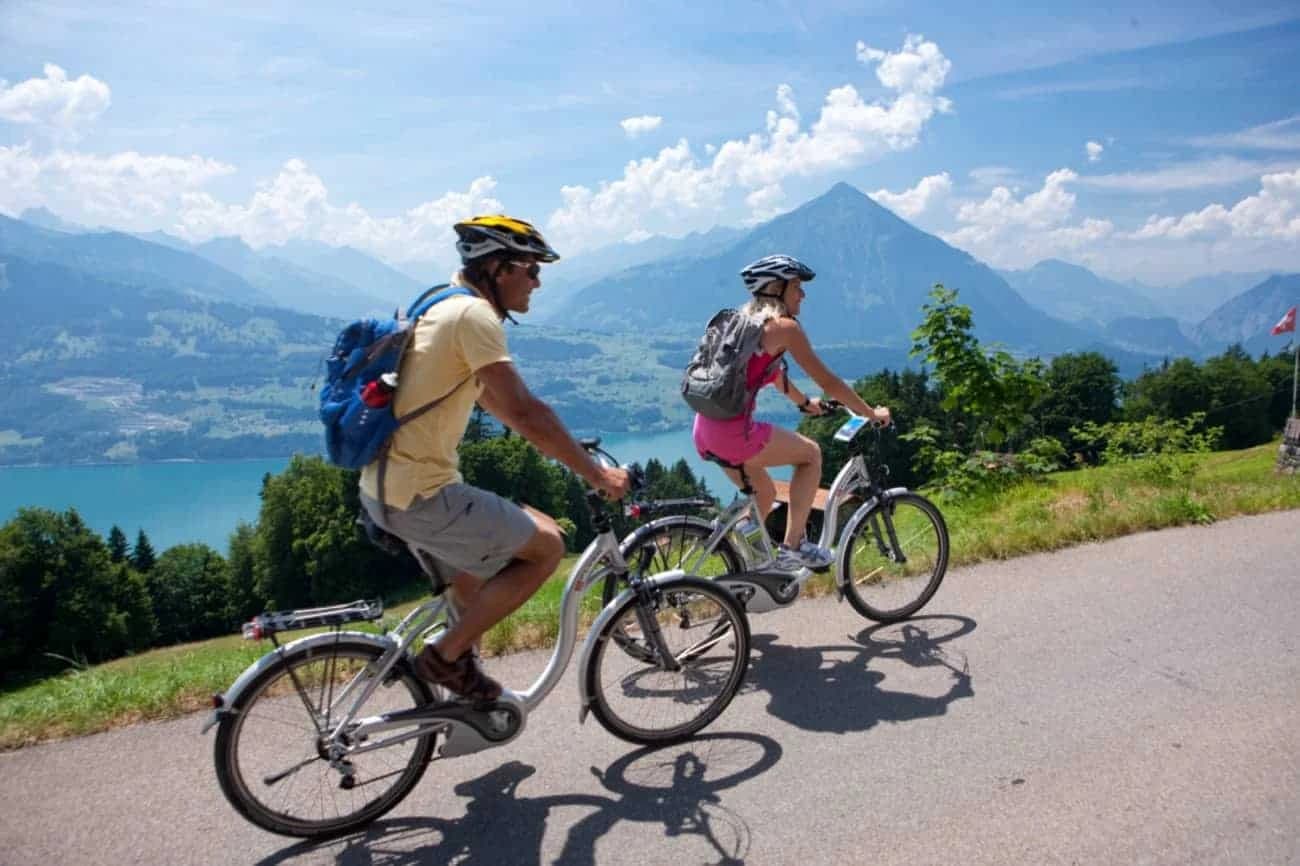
117, 548
142, 556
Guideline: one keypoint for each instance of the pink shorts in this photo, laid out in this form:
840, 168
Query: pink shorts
735, 440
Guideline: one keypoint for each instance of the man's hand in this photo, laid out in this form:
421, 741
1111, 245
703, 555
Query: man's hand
882, 416
613, 482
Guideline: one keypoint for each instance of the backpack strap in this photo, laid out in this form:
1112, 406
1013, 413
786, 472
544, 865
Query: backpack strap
431, 296
418, 308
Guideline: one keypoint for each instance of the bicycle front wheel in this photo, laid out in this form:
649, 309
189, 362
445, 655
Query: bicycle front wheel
895, 555
693, 641
272, 753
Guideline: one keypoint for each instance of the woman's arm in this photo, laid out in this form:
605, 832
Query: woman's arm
787, 334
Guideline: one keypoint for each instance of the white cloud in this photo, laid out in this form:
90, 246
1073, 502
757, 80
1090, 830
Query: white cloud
1272, 213
995, 175
126, 190
675, 185
635, 126
1094, 149
1279, 135
295, 204
1014, 232
765, 203
54, 102
913, 202
1202, 174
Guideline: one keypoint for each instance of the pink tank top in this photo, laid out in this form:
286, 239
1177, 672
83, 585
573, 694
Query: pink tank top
754, 378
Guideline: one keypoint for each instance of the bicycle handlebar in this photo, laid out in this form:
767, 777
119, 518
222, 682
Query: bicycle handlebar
835, 406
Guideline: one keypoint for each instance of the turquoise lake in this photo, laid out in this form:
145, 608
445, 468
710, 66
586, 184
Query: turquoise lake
176, 503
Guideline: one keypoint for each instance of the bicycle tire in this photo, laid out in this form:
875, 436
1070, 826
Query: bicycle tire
878, 585
686, 604
233, 771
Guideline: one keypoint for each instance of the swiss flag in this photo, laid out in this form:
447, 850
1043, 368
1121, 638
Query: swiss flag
1287, 323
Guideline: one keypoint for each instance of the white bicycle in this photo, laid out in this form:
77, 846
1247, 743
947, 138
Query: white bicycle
890, 557
327, 733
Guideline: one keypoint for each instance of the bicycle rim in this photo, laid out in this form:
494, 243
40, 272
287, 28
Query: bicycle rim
704, 630
270, 761
894, 558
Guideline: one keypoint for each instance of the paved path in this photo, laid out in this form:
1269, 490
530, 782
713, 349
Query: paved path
1136, 701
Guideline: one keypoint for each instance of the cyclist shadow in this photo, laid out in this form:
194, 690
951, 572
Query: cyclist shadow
834, 689
676, 786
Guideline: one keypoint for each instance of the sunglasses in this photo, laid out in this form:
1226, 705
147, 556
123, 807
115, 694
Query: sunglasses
530, 268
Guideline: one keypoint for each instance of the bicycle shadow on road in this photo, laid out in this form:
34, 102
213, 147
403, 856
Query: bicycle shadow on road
676, 786
834, 689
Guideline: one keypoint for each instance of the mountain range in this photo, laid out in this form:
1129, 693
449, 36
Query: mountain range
149, 347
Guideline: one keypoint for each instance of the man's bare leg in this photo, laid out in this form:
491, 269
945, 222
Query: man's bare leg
499, 596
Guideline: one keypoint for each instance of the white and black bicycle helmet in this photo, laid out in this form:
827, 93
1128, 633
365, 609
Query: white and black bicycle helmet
774, 269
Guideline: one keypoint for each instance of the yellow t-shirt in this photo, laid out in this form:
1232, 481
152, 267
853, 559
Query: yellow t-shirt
451, 342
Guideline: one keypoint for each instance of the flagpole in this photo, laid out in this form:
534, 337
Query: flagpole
1295, 378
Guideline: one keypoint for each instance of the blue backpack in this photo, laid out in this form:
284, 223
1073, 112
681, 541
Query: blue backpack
356, 402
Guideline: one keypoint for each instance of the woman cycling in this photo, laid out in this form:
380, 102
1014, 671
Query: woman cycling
776, 283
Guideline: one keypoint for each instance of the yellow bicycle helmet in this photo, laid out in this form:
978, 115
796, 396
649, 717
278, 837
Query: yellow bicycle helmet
482, 235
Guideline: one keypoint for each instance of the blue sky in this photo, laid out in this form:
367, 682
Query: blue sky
1151, 141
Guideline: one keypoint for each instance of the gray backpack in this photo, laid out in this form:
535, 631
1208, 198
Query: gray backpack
714, 384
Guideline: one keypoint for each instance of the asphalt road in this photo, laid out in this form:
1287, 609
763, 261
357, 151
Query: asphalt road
1136, 701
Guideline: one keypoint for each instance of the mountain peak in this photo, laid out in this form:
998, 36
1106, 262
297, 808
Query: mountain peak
48, 219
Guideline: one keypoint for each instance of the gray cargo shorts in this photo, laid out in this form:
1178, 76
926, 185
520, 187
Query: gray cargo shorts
463, 528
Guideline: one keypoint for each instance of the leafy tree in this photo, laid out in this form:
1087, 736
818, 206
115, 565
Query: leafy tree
993, 388
1175, 390
575, 507
1279, 370
309, 548
117, 544
60, 593
242, 564
1237, 397
1081, 387
190, 588
511, 467
142, 555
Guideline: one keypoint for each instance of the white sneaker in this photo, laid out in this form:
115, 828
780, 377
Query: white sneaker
806, 555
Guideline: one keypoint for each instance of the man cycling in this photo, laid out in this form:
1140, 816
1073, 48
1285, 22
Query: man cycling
494, 553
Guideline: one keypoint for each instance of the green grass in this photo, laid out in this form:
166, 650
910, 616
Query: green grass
1065, 509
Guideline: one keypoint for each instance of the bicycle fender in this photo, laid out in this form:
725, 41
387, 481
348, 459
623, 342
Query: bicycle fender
659, 522
841, 549
230, 697
589, 646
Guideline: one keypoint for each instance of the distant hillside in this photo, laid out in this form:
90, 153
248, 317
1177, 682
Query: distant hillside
875, 273
373, 277
1247, 318
125, 259
1076, 294
1157, 336
296, 288
571, 274
1193, 300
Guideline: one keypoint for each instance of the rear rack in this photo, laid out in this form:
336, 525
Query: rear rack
271, 622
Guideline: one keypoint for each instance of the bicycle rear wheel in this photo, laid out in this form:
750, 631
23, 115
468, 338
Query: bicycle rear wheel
895, 555
704, 630
271, 755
